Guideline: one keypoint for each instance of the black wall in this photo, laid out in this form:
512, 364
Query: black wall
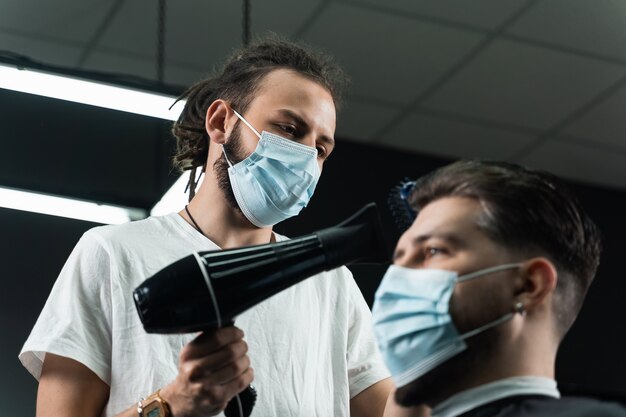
34, 247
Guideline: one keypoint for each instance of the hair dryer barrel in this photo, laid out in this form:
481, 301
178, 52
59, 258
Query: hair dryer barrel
208, 289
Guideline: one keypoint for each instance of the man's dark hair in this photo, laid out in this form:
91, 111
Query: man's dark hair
237, 83
529, 212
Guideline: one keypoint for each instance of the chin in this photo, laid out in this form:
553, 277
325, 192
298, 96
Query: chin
452, 376
439, 384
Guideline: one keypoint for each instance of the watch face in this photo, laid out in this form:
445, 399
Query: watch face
154, 409
156, 412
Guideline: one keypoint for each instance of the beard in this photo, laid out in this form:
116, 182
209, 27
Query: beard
236, 154
455, 374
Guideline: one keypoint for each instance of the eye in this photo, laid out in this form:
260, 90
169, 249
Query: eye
288, 129
432, 251
321, 152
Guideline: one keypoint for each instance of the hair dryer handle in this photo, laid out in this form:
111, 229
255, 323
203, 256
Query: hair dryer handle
241, 404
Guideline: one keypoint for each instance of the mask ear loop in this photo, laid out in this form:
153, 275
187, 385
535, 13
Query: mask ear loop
247, 124
226, 157
256, 132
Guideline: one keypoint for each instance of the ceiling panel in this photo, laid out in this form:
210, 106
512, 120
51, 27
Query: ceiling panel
525, 85
451, 138
184, 76
40, 49
581, 163
61, 19
485, 14
133, 29
281, 16
605, 123
388, 57
121, 63
203, 33
595, 26
359, 121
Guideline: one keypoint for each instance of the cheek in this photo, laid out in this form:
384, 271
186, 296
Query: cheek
476, 303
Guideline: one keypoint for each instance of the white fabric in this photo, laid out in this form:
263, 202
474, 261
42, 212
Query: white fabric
470, 399
311, 346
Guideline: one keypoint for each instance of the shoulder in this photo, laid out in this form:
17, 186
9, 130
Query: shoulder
583, 406
567, 406
136, 233
156, 225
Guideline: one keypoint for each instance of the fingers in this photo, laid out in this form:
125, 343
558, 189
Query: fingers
209, 342
213, 368
225, 374
216, 398
228, 355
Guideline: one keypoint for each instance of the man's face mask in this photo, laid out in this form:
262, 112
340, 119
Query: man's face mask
276, 181
412, 322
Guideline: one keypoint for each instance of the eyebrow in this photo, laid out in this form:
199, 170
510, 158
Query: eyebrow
448, 237
451, 238
299, 120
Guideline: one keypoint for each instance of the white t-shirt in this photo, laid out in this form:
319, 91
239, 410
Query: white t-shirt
311, 345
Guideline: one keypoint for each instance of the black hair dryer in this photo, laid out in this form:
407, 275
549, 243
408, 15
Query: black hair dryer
207, 290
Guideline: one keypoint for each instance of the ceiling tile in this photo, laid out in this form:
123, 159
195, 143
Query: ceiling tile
203, 33
40, 50
129, 64
184, 76
580, 163
121, 64
486, 14
388, 57
452, 138
133, 29
67, 20
605, 123
594, 26
358, 120
524, 85
193, 33
281, 16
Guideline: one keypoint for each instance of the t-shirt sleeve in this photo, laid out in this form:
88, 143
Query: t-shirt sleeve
76, 319
365, 366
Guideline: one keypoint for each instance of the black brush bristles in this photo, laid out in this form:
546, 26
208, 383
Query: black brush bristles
401, 211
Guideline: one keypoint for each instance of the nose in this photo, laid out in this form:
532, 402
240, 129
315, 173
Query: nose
400, 256
310, 139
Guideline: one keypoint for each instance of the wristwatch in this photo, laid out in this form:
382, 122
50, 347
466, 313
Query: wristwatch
153, 406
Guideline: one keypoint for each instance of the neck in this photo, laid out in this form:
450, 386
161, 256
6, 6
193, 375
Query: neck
525, 349
522, 347
222, 224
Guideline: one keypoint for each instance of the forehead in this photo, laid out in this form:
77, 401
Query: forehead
286, 89
457, 216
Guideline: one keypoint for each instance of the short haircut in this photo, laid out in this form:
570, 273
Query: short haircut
530, 212
237, 82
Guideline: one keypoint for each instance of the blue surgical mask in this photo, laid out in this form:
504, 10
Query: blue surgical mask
412, 323
276, 181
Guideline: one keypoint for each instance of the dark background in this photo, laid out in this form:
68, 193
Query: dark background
127, 164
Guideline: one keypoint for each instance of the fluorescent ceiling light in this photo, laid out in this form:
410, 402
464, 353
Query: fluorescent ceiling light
89, 92
175, 198
67, 207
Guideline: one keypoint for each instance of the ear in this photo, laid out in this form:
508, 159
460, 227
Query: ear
538, 282
218, 121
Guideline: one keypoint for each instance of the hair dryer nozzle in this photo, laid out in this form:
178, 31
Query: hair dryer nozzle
358, 239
